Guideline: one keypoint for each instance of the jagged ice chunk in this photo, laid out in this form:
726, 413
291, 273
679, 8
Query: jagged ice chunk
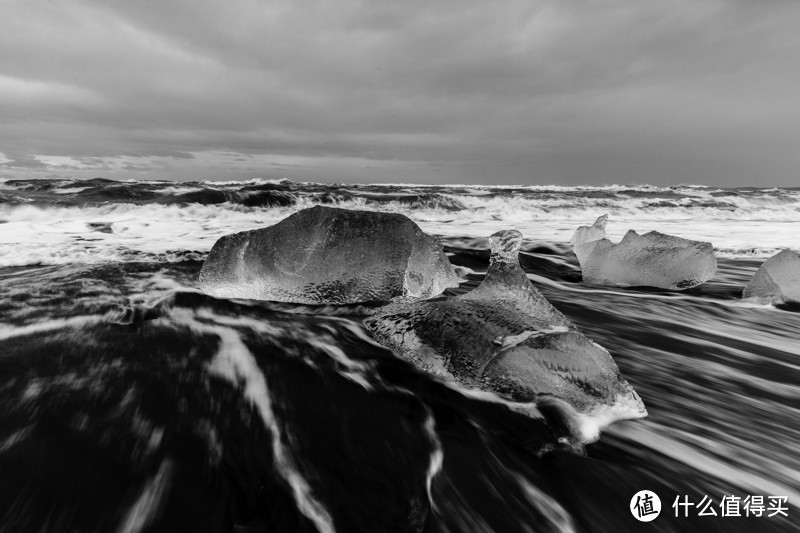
650, 260
505, 337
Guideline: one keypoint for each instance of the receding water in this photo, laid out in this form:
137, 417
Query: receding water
129, 401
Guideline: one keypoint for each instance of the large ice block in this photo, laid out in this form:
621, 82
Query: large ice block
327, 255
505, 337
650, 260
777, 280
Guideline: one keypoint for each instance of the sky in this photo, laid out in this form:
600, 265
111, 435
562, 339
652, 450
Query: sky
519, 92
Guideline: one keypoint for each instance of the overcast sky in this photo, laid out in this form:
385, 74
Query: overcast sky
550, 91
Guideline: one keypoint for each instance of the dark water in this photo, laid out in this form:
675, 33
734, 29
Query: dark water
130, 402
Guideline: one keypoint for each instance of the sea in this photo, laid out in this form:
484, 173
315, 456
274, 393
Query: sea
132, 402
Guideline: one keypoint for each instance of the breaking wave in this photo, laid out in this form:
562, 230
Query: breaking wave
59, 221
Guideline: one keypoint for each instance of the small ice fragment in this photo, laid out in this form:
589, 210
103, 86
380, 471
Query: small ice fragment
777, 280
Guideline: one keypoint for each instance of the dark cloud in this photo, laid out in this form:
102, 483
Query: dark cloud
588, 91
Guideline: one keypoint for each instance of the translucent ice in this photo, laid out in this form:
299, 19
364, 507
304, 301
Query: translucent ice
650, 260
777, 280
328, 255
586, 237
505, 337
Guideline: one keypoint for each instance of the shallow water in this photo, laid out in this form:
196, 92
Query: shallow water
131, 402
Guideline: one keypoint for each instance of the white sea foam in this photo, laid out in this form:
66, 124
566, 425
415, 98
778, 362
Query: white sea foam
756, 225
554, 513
437, 457
8, 331
70, 190
528, 409
146, 507
587, 426
253, 181
60, 235
179, 190
356, 371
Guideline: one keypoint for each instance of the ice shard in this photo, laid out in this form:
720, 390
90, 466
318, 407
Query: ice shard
777, 280
586, 238
505, 337
326, 255
650, 260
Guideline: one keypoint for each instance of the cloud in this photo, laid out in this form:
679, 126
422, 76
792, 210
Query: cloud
12, 161
542, 91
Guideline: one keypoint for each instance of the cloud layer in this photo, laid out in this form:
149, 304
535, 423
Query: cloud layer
591, 91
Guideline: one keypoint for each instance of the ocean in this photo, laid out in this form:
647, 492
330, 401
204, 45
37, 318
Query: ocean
130, 401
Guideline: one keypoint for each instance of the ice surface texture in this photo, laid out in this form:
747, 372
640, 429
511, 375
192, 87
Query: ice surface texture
777, 280
650, 260
505, 337
325, 255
